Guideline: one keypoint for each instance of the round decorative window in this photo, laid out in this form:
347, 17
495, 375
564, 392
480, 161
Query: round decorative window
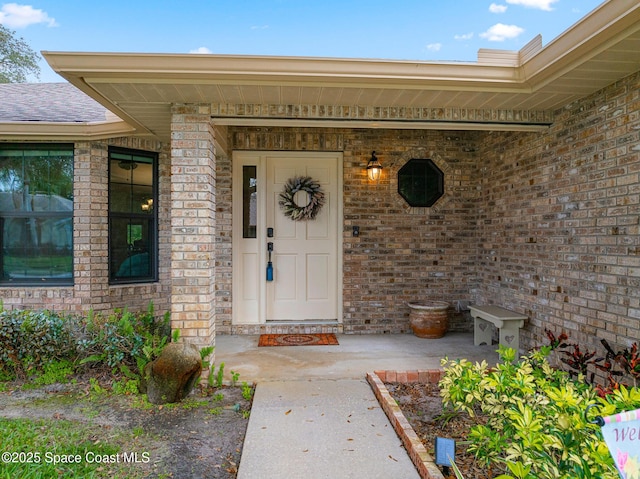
420, 182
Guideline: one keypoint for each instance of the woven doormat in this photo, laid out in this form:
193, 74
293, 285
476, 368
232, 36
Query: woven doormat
323, 339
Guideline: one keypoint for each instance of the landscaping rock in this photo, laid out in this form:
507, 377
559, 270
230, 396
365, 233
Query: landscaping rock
172, 376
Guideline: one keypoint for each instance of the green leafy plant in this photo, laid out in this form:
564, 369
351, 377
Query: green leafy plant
530, 417
31, 339
247, 391
54, 372
234, 378
204, 354
96, 388
123, 338
216, 379
218, 397
125, 386
220, 376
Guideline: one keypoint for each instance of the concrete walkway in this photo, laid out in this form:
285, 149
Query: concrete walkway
317, 429
315, 417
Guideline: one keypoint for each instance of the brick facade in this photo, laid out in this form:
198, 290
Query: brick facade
558, 220
91, 288
402, 254
543, 223
193, 225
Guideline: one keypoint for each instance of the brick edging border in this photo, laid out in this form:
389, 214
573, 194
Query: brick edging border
417, 452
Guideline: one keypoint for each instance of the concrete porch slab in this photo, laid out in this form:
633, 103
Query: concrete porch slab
353, 358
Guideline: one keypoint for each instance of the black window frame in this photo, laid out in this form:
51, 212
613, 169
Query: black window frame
152, 247
35, 281
413, 188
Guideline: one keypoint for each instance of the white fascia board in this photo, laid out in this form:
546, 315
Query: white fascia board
39, 130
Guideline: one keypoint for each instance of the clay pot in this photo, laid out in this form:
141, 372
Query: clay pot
429, 319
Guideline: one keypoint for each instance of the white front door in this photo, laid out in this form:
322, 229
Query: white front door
305, 257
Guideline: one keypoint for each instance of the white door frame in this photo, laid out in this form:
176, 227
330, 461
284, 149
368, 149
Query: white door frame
249, 256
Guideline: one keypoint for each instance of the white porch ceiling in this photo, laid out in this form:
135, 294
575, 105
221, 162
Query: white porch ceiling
140, 88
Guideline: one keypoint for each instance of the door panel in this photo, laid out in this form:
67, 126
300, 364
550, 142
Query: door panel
318, 281
304, 289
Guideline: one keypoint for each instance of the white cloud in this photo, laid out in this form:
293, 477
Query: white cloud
259, 27
538, 4
13, 15
434, 47
495, 8
500, 32
465, 36
201, 50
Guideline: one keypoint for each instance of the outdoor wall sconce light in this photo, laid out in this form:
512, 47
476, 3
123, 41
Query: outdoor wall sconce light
374, 168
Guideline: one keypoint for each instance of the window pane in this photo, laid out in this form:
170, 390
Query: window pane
132, 216
249, 201
131, 185
420, 182
36, 213
143, 174
142, 197
131, 245
131, 199
11, 184
37, 248
48, 176
35, 180
120, 197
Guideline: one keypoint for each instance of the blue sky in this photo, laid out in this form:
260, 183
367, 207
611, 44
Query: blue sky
451, 30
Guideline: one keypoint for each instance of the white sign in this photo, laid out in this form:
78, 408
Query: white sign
622, 434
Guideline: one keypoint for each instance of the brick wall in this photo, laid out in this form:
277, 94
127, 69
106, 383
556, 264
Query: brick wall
546, 223
542, 223
402, 254
193, 224
223, 243
91, 289
558, 220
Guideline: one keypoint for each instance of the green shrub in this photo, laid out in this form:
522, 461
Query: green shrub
122, 339
531, 419
46, 347
31, 339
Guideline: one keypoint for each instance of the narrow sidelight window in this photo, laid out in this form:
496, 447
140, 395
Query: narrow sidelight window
249, 201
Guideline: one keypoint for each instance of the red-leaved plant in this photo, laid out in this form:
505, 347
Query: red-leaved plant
619, 366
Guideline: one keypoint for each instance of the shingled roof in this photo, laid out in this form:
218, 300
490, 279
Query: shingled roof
49, 102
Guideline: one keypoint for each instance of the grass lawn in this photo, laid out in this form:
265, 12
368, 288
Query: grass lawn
48, 448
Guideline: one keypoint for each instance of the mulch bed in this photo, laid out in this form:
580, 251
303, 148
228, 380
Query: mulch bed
422, 406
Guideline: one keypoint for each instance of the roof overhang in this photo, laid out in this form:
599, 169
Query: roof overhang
64, 131
256, 90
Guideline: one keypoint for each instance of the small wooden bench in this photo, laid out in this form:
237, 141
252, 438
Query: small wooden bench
508, 322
